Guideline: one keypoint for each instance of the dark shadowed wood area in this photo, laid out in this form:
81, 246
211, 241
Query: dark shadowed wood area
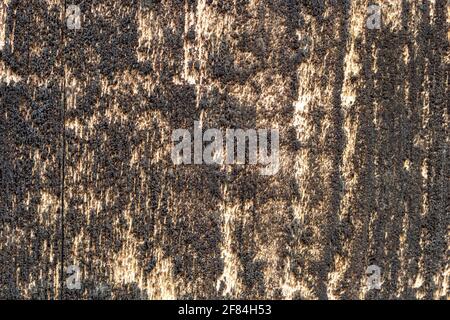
86, 175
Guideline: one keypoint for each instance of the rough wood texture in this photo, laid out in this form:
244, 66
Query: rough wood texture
86, 176
31, 129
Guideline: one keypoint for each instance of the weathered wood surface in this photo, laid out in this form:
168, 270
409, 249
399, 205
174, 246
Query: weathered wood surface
87, 179
31, 130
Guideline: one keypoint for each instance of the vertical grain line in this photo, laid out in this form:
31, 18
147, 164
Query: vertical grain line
63, 136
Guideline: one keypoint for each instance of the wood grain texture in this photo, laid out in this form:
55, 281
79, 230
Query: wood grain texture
30, 149
87, 179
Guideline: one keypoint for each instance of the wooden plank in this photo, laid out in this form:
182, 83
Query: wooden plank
361, 111
30, 149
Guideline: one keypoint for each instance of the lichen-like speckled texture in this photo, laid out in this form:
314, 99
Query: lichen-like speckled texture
86, 178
